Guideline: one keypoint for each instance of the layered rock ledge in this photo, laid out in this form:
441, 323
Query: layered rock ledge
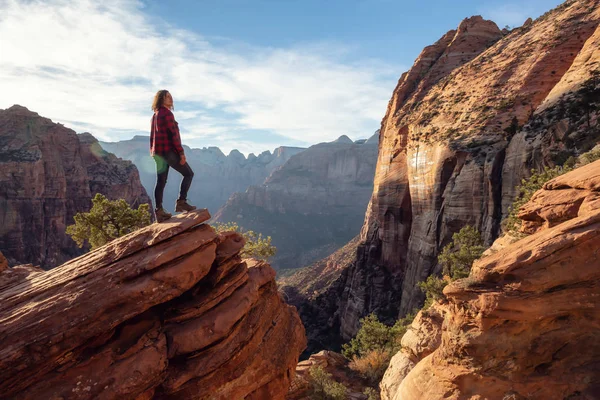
170, 311
524, 324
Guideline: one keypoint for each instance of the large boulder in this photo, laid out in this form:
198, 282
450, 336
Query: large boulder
170, 311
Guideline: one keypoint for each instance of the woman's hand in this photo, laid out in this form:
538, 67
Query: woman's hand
182, 160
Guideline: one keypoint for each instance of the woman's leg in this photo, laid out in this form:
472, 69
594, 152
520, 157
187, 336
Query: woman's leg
162, 172
185, 170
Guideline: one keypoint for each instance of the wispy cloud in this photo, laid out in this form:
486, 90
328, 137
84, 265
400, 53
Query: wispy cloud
511, 14
97, 65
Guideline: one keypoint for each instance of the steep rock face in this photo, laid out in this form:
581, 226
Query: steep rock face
463, 127
312, 205
309, 289
523, 325
167, 312
216, 176
48, 174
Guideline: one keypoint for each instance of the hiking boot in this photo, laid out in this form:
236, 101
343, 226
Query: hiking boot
182, 205
162, 215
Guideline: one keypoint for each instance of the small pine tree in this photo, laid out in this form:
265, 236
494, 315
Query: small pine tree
323, 387
257, 246
106, 221
456, 259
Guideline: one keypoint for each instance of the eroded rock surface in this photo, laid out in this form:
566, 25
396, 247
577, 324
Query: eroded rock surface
170, 311
49, 174
477, 111
523, 325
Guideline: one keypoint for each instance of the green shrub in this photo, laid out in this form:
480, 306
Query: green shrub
323, 387
456, 259
433, 287
458, 256
374, 335
257, 246
106, 221
525, 191
372, 394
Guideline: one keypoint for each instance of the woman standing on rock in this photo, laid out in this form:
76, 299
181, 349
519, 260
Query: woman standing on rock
166, 149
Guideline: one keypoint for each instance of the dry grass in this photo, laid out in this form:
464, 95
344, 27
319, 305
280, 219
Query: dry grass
372, 365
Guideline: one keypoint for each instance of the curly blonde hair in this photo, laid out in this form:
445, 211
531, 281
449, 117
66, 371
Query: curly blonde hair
159, 99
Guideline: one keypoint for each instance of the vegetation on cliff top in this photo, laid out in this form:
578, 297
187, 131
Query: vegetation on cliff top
106, 221
257, 245
456, 260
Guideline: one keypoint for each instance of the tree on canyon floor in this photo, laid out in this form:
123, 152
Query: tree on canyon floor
257, 245
106, 221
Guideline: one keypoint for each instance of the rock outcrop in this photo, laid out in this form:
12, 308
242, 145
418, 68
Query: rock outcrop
216, 175
311, 206
523, 325
333, 364
170, 311
476, 112
48, 175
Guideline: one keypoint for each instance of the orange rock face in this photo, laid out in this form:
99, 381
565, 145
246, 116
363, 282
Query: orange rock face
49, 174
477, 111
167, 312
524, 324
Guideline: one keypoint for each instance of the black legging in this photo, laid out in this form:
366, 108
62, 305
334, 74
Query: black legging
171, 159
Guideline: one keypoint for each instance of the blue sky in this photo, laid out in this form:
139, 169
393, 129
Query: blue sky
251, 75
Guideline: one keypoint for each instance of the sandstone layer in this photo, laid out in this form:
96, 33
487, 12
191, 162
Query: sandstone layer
48, 174
170, 311
524, 324
476, 112
311, 206
216, 175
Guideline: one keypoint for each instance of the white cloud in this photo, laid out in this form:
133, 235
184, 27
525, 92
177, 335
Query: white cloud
508, 14
98, 65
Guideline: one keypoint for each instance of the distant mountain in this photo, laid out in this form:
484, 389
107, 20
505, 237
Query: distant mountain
311, 206
216, 176
49, 173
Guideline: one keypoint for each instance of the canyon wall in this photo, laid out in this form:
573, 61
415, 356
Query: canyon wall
48, 173
477, 111
523, 325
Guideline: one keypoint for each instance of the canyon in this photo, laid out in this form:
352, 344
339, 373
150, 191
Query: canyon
478, 110
216, 175
312, 205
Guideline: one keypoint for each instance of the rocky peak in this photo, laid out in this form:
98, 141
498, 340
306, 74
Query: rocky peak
170, 311
343, 139
50, 174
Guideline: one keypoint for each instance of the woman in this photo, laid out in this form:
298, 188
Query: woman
165, 147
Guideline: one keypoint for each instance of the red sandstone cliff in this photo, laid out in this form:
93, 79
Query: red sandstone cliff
48, 174
167, 312
524, 324
475, 113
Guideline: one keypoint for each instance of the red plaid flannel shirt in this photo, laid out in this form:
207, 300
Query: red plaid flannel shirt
164, 133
